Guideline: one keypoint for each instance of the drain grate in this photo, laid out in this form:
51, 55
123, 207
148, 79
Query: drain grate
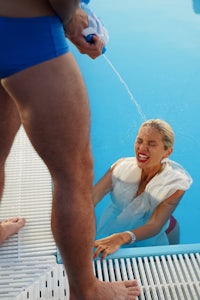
171, 277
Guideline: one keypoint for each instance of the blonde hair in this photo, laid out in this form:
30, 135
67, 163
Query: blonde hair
165, 130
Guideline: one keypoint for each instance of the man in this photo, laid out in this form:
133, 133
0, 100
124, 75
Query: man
42, 89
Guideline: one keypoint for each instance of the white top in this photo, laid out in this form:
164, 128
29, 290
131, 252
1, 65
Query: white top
128, 211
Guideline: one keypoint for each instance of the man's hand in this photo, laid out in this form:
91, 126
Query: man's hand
73, 31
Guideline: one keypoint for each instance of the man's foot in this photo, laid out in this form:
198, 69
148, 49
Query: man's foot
119, 290
9, 227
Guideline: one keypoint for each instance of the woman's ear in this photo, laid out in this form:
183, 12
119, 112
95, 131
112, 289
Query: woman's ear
168, 152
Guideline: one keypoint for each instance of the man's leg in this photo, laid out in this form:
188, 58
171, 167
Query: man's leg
53, 105
9, 125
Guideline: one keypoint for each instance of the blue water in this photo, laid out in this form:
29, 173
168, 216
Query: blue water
155, 46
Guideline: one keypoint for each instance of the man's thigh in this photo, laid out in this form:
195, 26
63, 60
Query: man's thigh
53, 105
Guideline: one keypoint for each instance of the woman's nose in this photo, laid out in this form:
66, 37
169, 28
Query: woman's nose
143, 146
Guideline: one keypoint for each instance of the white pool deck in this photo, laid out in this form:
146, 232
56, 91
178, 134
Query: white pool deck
28, 268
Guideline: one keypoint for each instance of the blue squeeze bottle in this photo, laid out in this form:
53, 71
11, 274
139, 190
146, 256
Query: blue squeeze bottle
95, 27
85, 1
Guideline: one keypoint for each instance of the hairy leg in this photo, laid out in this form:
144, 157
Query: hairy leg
53, 105
9, 125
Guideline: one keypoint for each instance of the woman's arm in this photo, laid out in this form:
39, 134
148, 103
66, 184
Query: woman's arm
102, 187
159, 217
153, 226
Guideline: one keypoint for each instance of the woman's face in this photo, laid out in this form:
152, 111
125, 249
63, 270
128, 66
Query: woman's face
149, 148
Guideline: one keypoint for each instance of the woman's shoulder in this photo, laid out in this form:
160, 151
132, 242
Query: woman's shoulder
124, 161
174, 167
126, 169
177, 174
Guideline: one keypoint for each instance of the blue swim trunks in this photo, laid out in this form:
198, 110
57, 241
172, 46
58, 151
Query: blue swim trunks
26, 42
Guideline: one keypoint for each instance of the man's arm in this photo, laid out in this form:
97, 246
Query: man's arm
65, 9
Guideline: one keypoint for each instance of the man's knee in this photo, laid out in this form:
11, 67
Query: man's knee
74, 167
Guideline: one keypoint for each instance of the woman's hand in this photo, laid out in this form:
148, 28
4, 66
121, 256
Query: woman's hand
73, 30
110, 244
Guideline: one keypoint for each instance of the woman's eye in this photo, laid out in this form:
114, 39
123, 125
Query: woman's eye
152, 144
139, 141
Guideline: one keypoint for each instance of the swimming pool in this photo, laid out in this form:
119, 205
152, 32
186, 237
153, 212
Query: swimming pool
155, 46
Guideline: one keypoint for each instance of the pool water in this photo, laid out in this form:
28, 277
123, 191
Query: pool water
155, 47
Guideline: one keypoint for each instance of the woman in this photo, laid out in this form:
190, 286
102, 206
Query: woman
145, 191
